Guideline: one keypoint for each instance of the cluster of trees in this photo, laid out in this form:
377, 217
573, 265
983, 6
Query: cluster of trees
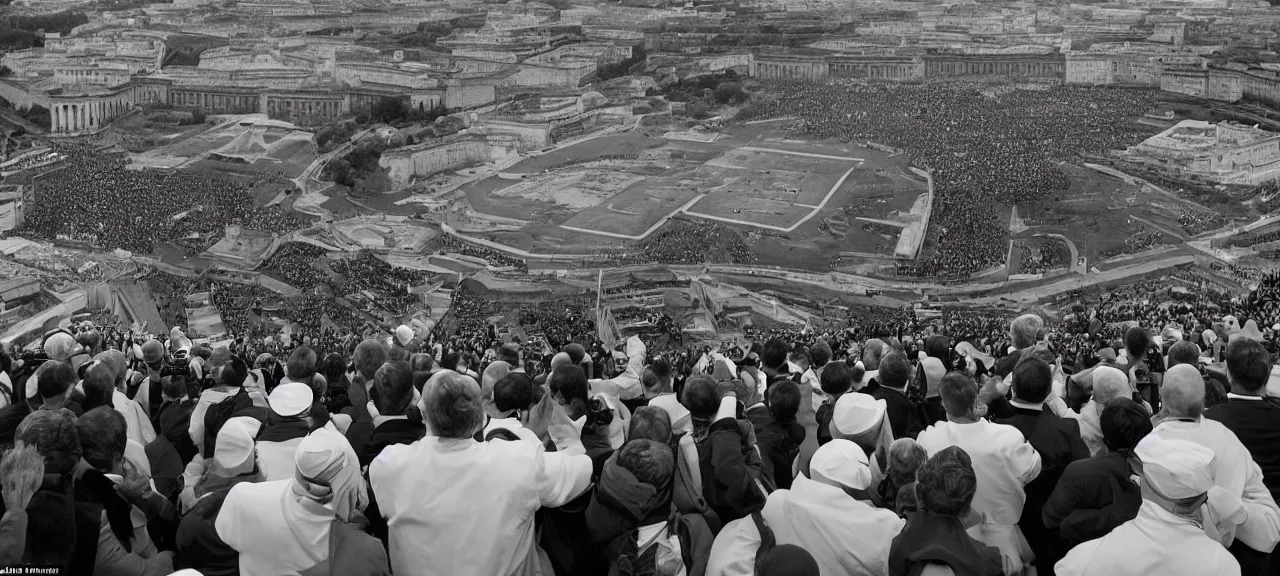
198, 116
333, 135
696, 88
390, 110
20, 32
621, 68
358, 168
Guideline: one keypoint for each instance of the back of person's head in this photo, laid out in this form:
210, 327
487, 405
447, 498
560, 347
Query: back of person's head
959, 394
946, 482
451, 360
233, 373
513, 392
54, 434
99, 386
302, 364
1026, 330
649, 379
55, 380
393, 389
701, 397
1136, 342
1248, 364
651, 423
577, 353
421, 362
1109, 384
836, 379
1182, 392
820, 353
103, 434
1032, 380
905, 457
368, 357
873, 352
451, 406
650, 461
774, 355
334, 369
784, 401
1184, 352
570, 383
1123, 422
786, 560
938, 346
895, 370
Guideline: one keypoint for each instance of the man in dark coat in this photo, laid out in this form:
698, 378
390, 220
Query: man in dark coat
392, 396
1056, 439
1095, 495
935, 534
1255, 420
904, 418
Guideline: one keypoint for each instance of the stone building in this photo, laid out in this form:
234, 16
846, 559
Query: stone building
1227, 152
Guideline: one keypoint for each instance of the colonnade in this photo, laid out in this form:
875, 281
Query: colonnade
70, 117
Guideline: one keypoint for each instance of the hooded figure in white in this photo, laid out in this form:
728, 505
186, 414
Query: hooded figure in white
1240, 506
829, 515
1167, 537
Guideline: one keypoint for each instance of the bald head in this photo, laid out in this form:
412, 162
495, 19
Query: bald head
561, 359
1182, 392
1109, 384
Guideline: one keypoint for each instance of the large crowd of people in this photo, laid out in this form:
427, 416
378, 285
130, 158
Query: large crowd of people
119, 208
984, 152
1136, 436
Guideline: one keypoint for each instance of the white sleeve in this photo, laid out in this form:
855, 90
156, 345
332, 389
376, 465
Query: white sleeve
626, 385
1261, 530
733, 553
560, 477
1025, 459
228, 524
196, 428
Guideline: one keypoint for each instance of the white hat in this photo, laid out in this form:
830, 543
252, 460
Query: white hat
404, 335
842, 462
856, 413
234, 448
1175, 468
291, 399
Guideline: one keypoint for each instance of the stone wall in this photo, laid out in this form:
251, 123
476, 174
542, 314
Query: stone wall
403, 164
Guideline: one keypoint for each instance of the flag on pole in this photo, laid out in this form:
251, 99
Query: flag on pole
607, 328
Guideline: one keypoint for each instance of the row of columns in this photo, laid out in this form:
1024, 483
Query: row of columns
806, 71
952, 68
83, 116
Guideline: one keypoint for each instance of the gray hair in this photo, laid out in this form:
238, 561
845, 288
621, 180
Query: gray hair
1026, 330
451, 405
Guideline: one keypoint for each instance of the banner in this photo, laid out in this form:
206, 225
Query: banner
607, 328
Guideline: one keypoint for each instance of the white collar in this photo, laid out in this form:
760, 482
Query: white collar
1234, 396
380, 420
1026, 405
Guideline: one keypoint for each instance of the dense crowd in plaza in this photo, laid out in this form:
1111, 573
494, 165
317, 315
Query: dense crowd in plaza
1051, 255
117, 207
880, 443
985, 152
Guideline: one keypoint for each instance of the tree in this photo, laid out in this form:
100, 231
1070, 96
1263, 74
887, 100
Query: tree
699, 111
730, 93
389, 109
198, 116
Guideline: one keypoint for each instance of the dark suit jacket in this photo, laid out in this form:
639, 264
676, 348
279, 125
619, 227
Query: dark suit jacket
1058, 442
904, 417
1092, 498
1257, 424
